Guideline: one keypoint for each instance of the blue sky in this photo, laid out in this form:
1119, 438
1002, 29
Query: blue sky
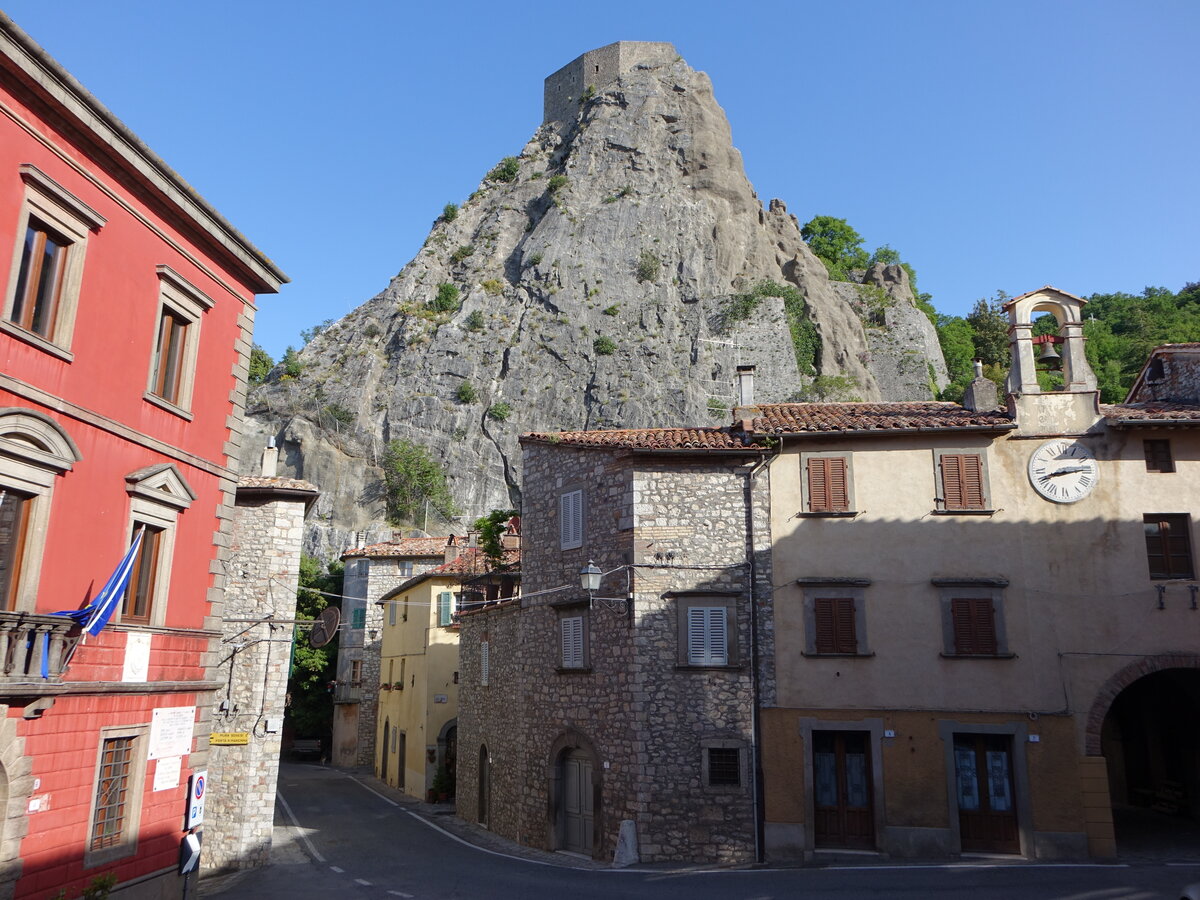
996, 145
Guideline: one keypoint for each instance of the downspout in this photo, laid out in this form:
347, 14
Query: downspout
759, 795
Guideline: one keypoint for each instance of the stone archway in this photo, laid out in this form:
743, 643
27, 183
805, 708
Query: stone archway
573, 796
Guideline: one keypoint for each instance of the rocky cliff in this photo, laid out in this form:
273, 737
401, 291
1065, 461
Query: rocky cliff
614, 274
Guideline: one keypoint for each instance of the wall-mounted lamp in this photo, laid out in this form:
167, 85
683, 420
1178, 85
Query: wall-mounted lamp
371, 632
590, 577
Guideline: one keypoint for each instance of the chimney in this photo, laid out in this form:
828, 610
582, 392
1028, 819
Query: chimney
745, 385
270, 459
981, 393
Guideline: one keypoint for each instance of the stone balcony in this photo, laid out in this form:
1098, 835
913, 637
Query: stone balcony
347, 692
26, 640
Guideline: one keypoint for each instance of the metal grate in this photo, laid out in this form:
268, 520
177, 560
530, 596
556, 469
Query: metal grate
724, 766
109, 820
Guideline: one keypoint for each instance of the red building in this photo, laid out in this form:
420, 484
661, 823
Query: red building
125, 333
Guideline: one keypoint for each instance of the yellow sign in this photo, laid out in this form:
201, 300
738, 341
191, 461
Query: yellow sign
228, 738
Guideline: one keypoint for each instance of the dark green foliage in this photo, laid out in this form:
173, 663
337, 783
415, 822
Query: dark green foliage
411, 479
309, 333
446, 300
372, 330
449, 212
604, 346
311, 709
292, 367
836, 244
612, 310
474, 321
506, 170
499, 411
261, 365
830, 389
466, 393
886, 255
989, 327
588, 93
462, 253
491, 529
805, 343
337, 416
648, 266
556, 183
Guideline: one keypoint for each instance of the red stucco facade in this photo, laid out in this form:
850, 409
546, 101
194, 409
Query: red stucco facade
87, 382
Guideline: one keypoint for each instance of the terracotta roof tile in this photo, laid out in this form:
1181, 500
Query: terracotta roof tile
472, 561
649, 439
263, 481
1155, 411
412, 546
801, 418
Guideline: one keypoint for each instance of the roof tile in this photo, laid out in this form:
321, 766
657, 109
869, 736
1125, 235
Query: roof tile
649, 439
798, 418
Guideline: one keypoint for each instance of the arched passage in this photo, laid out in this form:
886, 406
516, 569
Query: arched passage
1150, 739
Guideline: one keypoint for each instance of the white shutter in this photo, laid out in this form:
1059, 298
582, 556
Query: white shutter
483, 663
707, 637
570, 520
572, 642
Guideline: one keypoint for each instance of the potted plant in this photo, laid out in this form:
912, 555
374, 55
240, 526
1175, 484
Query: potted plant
442, 786
386, 686
399, 685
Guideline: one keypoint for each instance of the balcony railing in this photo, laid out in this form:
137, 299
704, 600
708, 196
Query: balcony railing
34, 648
347, 692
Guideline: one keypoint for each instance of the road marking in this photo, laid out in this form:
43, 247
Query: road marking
298, 830
387, 800
969, 865
362, 881
339, 871
401, 894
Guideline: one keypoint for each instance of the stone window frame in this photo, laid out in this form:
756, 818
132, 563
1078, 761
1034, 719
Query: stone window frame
34, 451
176, 296
950, 589
568, 541
157, 496
707, 744
685, 600
48, 201
854, 589
940, 507
569, 610
136, 787
806, 500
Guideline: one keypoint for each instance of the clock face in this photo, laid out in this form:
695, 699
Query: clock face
1063, 471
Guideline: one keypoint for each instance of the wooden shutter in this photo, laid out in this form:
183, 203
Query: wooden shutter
1158, 455
835, 625
572, 642
570, 520
445, 607
1168, 545
962, 481
974, 621
827, 487
707, 636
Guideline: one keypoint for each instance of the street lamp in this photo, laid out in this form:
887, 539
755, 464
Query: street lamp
589, 579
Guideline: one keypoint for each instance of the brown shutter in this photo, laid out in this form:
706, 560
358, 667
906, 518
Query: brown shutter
847, 640
1168, 545
974, 626
827, 486
834, 624
962, 481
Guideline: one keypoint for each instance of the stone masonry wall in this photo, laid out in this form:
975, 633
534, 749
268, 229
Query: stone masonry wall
643, 715
263, 573
597, 68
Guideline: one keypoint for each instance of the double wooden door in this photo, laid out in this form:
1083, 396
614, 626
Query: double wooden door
987, 815
844, 814
578, 813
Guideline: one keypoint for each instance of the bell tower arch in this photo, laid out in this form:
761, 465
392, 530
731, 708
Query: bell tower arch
1067, 309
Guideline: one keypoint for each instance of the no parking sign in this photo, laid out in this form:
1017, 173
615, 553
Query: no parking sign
197, 786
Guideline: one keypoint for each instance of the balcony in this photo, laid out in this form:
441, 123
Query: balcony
347, 692
34, 651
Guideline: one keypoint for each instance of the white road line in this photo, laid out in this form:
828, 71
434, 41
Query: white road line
401, 894
362, 881
339, 871
972, 866
387, 800
299, 832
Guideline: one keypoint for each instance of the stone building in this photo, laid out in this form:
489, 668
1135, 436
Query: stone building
253, 663
578, 712
959, 628
371, 572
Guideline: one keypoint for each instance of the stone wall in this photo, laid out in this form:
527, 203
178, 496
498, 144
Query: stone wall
598, 69
264, 570
643, 715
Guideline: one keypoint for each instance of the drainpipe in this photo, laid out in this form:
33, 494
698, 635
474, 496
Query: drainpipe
755, 725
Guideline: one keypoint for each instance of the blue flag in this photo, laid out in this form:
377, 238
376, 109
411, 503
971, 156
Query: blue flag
96, 614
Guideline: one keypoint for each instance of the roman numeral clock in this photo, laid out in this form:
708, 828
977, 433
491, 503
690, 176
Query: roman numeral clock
1063, 471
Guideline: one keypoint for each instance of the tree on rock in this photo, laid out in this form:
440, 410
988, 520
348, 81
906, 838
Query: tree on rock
412, 479
836, 244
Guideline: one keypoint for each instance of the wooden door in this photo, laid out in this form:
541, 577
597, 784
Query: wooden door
401, 760
387, 748
577, 802
987, 815
844, 814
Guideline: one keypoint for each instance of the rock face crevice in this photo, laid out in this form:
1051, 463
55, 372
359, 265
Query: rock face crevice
592, 289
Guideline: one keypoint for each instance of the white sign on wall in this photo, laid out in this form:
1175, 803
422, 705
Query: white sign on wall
166, 772
137, 656
171, 732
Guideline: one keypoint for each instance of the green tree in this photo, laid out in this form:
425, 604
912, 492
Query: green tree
491, 530
292, 367
412, 479
836, 244
989, 325
261, 365
313, 668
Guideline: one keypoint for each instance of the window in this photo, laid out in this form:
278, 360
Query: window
834, 624
139, 596
445, 606
707, 630
1158, 455
391, 604
573, 632
962, 481
722, 763
356, 673
827, 484
117, 800
1169, 545
973, 617
34, 451
835, 620
358, 617
158, 494
570, 520
43, 290
176, 342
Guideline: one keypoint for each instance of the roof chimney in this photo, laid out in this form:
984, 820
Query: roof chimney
981, 394
270, 459
745, 385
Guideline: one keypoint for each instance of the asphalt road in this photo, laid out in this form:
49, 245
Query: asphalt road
347, 837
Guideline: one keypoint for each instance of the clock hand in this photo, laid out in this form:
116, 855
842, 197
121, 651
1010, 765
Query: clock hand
1069, 470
